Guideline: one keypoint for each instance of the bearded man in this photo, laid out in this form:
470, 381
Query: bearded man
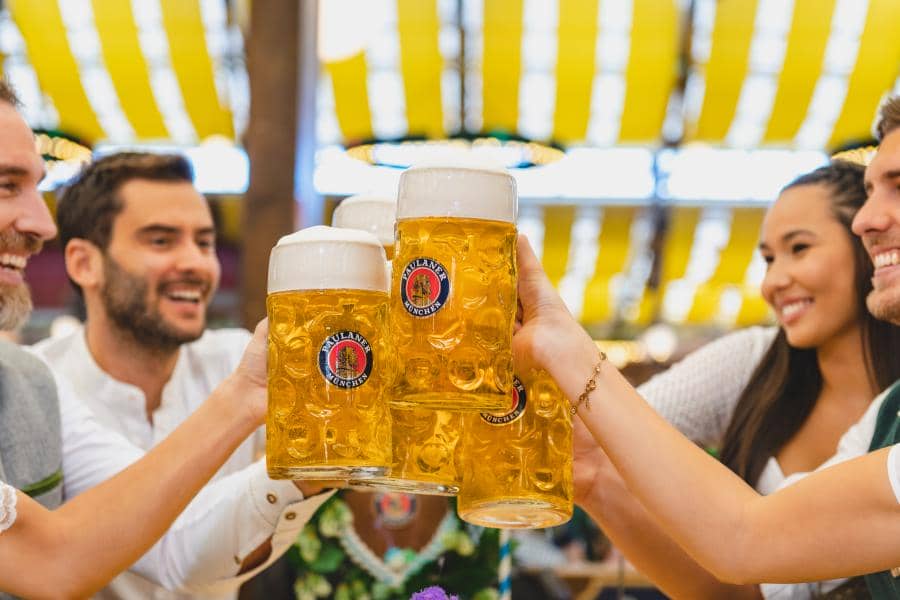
140, 248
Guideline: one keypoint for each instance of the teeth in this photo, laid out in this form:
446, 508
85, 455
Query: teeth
191, 295
789, 309
886, 259
13, 261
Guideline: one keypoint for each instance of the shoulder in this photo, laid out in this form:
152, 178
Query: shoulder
54, 349
751, 340
15, 360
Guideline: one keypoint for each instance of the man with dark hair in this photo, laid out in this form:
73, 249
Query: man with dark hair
139, 245
888, 117
52, 448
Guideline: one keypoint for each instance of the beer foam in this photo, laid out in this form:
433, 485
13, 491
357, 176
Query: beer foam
375, 214
328, 258
474, 193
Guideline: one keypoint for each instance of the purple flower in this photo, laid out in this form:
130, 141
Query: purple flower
433, 593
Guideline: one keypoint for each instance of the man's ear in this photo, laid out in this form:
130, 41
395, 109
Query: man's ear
84, 263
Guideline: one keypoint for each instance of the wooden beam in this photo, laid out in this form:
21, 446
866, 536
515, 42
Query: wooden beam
270, 208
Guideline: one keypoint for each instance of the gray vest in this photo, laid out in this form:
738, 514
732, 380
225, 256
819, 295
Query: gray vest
30, 438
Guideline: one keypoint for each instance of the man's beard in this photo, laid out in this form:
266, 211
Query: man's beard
884, 307
124, 298
15, 300
15, 306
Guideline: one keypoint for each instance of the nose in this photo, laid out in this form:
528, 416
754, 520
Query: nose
34, 217
192, 258
777, 278
873, 216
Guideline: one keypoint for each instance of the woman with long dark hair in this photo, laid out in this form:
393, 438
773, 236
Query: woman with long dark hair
774, 401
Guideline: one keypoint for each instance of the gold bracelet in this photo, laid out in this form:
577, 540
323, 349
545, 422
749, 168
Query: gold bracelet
589, 387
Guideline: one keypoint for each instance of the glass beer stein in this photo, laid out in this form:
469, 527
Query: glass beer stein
424, 441
329, 363
375, 214
453, 288
517, 464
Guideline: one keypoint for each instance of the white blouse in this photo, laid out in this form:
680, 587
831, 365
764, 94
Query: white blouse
7, 506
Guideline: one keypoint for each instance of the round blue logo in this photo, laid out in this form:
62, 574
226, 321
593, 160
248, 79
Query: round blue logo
516, 408
424, 287
345, 359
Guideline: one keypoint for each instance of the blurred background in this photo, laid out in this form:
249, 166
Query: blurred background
647, 136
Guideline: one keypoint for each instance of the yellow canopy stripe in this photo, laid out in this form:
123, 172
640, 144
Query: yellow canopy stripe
803, 61
615, 242
652, 69
675, 256
558, 222
727, 68
754, 309
418, 26
876, 68
47, 46
575, 66
734, 259
351, 97
127, 68
193, 67
501, 64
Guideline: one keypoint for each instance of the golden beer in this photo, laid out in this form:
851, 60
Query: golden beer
453, 289
517, 465
424, 445
329, 364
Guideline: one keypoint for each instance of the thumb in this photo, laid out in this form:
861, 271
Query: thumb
536, 293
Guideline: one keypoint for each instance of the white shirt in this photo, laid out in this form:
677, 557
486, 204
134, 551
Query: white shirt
7, 506
201, 553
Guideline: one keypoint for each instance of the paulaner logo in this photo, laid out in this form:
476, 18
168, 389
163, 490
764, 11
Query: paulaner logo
424, 287
517, 406
345, 359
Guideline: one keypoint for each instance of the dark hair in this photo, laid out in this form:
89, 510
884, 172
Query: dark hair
90, 202
888, 117
8, 94
785, 385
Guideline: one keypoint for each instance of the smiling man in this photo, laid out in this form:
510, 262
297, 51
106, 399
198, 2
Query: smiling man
140, 247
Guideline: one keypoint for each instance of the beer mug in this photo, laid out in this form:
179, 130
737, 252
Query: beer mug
375, 214
424, 441
517, 464
453, 299
329, 364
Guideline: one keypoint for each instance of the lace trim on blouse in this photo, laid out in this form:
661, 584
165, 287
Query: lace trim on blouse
8, 499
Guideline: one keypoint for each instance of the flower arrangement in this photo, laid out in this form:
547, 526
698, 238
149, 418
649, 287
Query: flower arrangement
433, 593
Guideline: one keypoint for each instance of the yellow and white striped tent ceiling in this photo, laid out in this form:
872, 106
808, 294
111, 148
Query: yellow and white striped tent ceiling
744, 73
801, 74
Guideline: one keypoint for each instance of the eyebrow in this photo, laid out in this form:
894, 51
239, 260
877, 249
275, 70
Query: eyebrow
6, 170
787, 237
168, 229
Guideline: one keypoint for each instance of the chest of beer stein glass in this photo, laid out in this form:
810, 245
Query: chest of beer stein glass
453, 299
423, 440
330, 362
517, 464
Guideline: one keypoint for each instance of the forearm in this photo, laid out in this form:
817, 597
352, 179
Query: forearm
214, 545
137, 506
647, 546
632, 434
799, 534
